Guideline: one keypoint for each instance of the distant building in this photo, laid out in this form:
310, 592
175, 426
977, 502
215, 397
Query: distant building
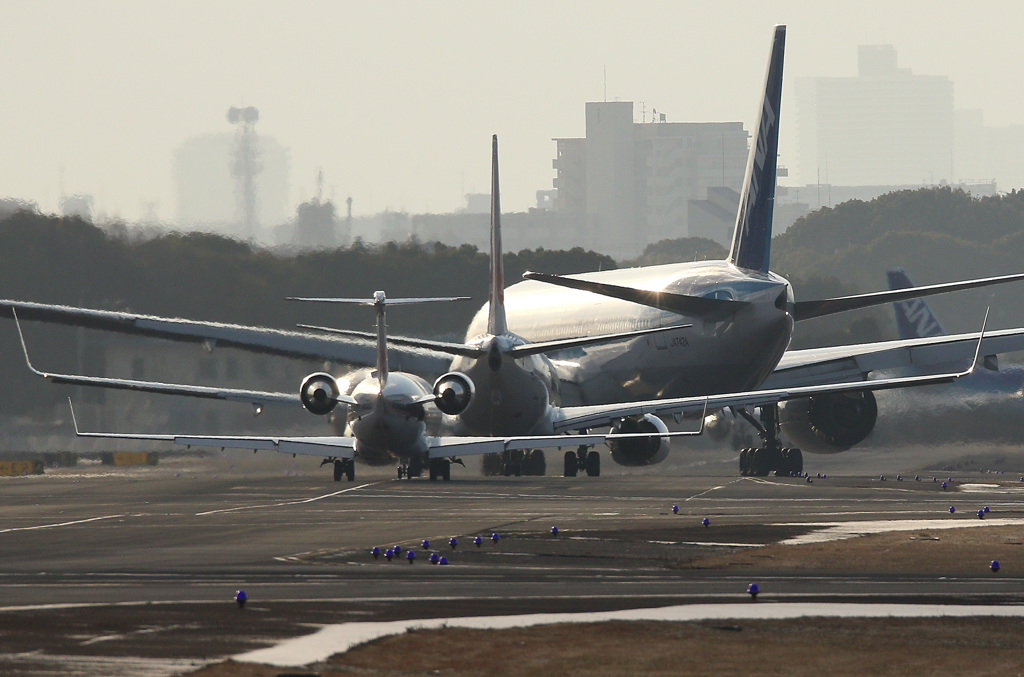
885, 126
77, 205
207, 189
633, 181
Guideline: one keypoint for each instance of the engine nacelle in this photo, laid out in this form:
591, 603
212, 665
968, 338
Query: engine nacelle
319, 393
638, 451
828, 424
453, 392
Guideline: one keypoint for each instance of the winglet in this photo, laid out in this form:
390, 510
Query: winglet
751, 240
74, 421
496, 324
977, 349
24, 348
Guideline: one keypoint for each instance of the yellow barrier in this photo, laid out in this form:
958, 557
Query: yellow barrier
130, 458
14, 468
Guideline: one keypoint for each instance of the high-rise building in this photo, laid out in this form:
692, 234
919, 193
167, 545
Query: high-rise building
633, 181
885, 126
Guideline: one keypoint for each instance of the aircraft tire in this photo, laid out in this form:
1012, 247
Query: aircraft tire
350, 470
338, 470
415, 467
745, 461
401, 472
761, 463
534, 463
446, 470
593, 464
571, 464
795, 460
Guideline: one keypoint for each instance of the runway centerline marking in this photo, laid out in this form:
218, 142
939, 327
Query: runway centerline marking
62, 524
284, 503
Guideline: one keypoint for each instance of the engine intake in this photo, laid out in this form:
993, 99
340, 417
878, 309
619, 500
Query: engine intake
639, 451
453, 392
828, 424
319, 393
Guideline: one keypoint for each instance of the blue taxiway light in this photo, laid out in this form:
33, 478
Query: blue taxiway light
753, 590
389, 553
495, 537
434, 558
705, 521
444, 560
477, 541
426, 544
398, 549
411, 556
985, 509
675, 509
554, 531
453, 542
375, 552
944, 485
994, 566
952, 509
241, 598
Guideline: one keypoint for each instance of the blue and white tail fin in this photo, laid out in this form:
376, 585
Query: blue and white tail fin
914, 318
751, 240
496, 324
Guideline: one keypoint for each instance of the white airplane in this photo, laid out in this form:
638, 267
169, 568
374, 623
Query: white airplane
735, 354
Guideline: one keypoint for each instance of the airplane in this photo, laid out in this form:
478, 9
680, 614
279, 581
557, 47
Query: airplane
387, 411
742, 315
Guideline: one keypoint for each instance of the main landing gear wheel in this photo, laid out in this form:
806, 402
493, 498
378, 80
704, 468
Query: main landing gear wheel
344, 467
534, 462
571, 464
593, 464
440, 468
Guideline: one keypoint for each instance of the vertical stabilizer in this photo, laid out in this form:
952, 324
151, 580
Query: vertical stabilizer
380, 301
496, 324
914, 317
751, 240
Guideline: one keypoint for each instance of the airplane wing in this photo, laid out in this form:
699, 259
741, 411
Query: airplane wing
256, 398
585, 417
344, 447
836, 364
418, 360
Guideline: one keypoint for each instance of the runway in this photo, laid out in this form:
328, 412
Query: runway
142, 564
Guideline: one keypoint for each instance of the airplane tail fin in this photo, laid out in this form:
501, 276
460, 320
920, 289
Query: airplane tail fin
379, 301
914, 317
496, 324
751, 240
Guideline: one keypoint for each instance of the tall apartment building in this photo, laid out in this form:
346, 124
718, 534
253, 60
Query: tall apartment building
885, 126
633, 181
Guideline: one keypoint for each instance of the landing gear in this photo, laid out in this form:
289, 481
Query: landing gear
440, 468
534, 462
759, 461
344, 467
582, 461
571, 464
411, 468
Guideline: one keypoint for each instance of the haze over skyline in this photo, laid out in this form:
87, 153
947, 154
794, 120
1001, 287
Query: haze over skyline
396, 101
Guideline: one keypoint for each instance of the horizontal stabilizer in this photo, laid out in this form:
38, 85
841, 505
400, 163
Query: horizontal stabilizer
437, 346
673, 303
805, 310
562, 344
373, 302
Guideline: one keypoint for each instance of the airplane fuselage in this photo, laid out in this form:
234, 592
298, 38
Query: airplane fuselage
724, 353
386, 423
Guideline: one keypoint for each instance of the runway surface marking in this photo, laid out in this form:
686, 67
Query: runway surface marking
333, 639
837, 531
284, 503
62, 524
708, 491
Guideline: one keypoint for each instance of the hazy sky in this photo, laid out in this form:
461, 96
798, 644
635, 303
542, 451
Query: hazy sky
396, 101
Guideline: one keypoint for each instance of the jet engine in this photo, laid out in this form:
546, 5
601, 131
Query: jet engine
319, 393
828, 424
639, 450
453, 392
